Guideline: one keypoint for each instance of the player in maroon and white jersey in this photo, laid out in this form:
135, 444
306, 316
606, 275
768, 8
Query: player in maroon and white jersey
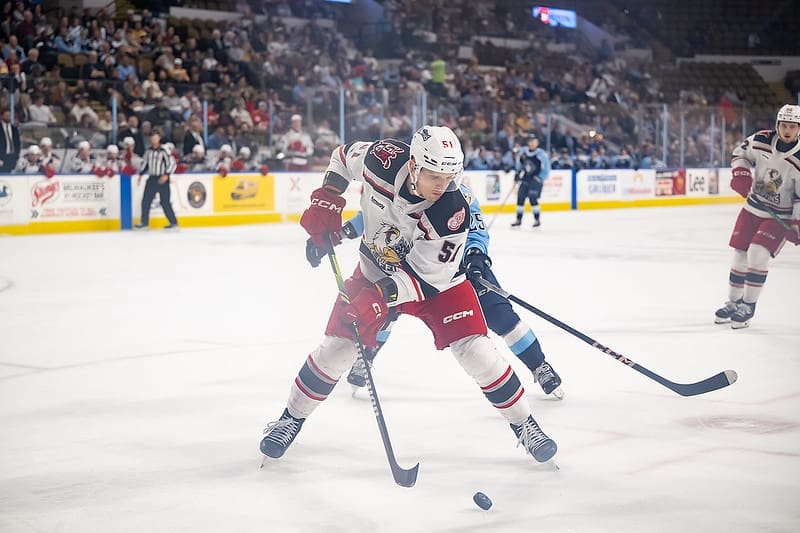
416, 221
766, 171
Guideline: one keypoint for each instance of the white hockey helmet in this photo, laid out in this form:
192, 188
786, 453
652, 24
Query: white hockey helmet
84, 145
198, 149
34, 150
788, 113
226, 148
244, 152
112, 149
438, 149
46, 141
128, 141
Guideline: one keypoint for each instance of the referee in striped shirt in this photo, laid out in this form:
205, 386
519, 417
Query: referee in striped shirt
158, 165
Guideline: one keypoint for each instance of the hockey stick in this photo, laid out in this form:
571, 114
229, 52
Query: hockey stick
500, 207
402, 476
718, 381
778, 219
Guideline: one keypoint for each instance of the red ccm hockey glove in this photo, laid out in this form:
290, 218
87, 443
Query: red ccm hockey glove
741, 181
368, 310
324, 217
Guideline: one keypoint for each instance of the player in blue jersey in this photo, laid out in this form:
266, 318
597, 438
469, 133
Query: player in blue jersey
533, 167
500, 315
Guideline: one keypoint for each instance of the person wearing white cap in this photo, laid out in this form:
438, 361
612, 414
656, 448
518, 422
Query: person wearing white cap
83, 161
243, 161
297, 146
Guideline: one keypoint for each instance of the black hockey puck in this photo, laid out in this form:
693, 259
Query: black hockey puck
482, 501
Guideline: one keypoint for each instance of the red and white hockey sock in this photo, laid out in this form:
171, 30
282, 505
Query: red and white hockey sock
758, 261
737, 276
319, 375
480, 359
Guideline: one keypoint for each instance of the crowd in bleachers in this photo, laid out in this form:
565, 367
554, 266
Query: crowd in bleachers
64, 73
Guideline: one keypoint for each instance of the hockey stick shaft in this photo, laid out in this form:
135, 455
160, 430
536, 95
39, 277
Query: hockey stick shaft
718, 381
778, 219
405, 477
500, 207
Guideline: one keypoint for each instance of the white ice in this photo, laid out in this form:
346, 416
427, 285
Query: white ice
137, 371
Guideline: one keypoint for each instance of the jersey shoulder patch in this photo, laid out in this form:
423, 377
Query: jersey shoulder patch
450, 214
386, 157
764, 136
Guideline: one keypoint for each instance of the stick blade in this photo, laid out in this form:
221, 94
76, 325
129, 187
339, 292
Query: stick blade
718, 381
405, 477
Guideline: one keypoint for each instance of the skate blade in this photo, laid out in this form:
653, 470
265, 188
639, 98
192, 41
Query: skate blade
552, 465
721, 320
558, 393
740, 325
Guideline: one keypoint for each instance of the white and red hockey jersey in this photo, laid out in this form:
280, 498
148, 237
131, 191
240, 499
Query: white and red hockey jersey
776, 175
298, 147
417, 242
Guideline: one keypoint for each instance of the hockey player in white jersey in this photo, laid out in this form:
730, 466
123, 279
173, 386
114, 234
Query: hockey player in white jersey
32, 162
416, 221
766, 171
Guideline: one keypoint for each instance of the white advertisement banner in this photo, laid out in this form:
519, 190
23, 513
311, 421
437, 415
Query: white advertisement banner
724, 179
190, 194
598, 185
697, 182
73, 197
637, 183
492, 187
557, 187
15, 201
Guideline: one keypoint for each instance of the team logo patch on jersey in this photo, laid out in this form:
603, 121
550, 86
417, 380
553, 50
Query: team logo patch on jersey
388, 247
385, 152
457, 220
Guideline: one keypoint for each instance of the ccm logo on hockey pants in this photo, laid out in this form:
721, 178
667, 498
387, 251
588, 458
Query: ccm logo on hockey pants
457, 316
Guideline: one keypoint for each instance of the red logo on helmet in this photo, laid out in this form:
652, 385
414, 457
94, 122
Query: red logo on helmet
385, 152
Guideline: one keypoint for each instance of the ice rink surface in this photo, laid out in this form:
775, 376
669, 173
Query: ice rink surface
137, 371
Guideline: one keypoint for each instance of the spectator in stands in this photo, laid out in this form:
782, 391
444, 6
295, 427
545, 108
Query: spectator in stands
563, 161
162, 116
326, 140
151, 87
17, 82
9, 142
477, 160
218, 138
260, 116
297, 146
193, 136
178, 73
26, 30
623, 160
131, 129
82, 108
31, 66
39, 113
14, 47
64, 44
